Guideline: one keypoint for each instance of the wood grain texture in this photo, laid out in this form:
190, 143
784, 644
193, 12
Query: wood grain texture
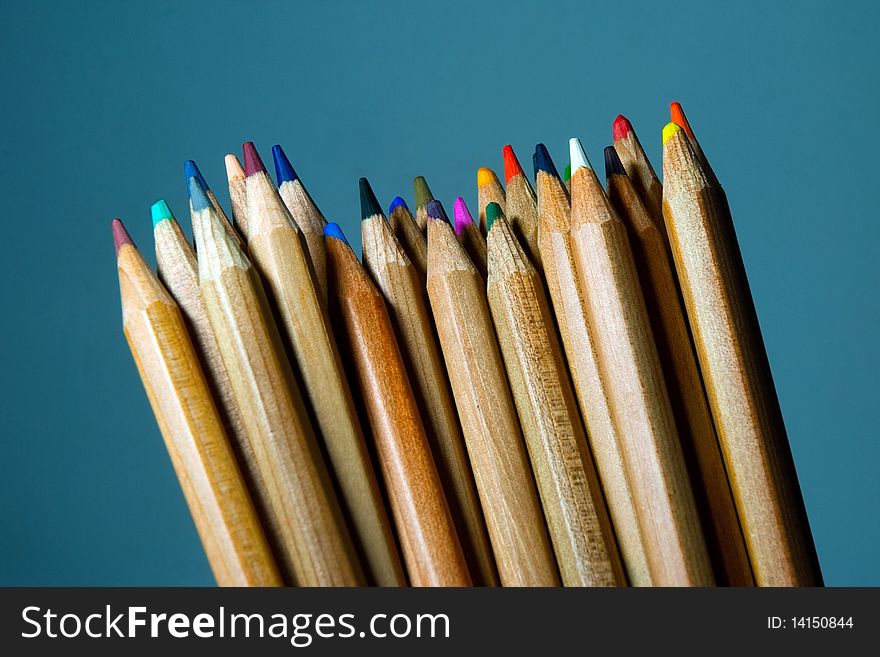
570, 308
215, 491
676, 549
425, 527
396, 279
280, 255
644, 179
521, 210
306, 524
311, 222
411, 239
736, 372
580, 529
489, 190
475, 245
690, 407
237, 193
491, 428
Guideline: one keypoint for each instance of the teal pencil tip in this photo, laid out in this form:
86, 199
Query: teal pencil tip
160, 211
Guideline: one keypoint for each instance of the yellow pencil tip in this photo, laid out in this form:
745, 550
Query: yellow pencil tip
485, 176
669, 131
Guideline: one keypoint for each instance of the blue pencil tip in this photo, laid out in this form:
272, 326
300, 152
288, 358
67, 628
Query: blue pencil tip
397, 203
283, 170
543, 162
197, 195
334, 230
191, 170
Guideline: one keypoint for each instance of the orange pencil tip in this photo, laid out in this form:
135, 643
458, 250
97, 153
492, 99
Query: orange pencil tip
678, 118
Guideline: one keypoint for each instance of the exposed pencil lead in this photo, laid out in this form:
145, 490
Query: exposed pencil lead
579, 158
120, 235
621, 127
422, 191
435, 211
335, 231
669, 131
511, 164
678, 117
369, 205
160, 211
197, 195
485, 176
252, 161
283, 170
613, 165
462, 215
493, 211
234, 170
567, 173
191, 170
398, 202
543, 161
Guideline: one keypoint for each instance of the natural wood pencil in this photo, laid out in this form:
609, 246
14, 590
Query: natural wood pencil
676, 549
696, 429
735, 370
410, 237
425, 527
470, 236
581, 351
309, 534
408, 309
489, 190
280, 255
178, 392
305, 214
191, 170
638, 168
423, 195
237, 193
580, 529
521, 207
491, 428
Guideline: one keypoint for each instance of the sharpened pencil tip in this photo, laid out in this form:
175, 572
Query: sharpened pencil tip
435, 211
669, 131
567, 172
120, 235
422, 191
234, 170
678, 117
621, 127
369, 205
398, 202
283, 170
486, 176
160, 211
543, 161
191, 170
511, 164
252, 161
462, 215
613, 165
197, 195
335, 231
493, 211
579, 158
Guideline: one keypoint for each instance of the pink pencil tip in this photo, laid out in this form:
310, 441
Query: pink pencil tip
461, 215
120, 235
252, 162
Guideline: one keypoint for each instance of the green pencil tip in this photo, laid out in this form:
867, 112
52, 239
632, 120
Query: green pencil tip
160, 211
423, 192
493, 211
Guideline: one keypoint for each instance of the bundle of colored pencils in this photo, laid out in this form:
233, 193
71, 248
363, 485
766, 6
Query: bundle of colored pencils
569, 387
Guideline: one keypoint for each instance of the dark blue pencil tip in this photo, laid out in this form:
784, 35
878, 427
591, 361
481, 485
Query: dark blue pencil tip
334, 230
435, 211
369, 205
191, 170
283, 170
197, 195
397, 203
543, 162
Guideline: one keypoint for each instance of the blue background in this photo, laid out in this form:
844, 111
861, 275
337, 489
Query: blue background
104, 102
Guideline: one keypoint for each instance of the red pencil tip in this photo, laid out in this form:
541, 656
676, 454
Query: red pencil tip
679, 119
120, 235
622, 127
252, 162
511, 164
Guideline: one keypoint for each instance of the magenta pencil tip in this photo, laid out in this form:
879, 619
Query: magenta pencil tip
252, 162
462, 215
120, 235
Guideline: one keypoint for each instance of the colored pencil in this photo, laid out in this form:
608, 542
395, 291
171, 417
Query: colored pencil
580, 529
191, 170
735, 369
425, 527
469, 235
567, 177
630, 366
305, 214
235, 178
569, 304
396, 279
521, 207
638, 168
684, 384
221, 507
423, 195
280, 255
410, 237
491, 429
310, 537
489, 190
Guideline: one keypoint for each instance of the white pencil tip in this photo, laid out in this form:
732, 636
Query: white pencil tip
578, 157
